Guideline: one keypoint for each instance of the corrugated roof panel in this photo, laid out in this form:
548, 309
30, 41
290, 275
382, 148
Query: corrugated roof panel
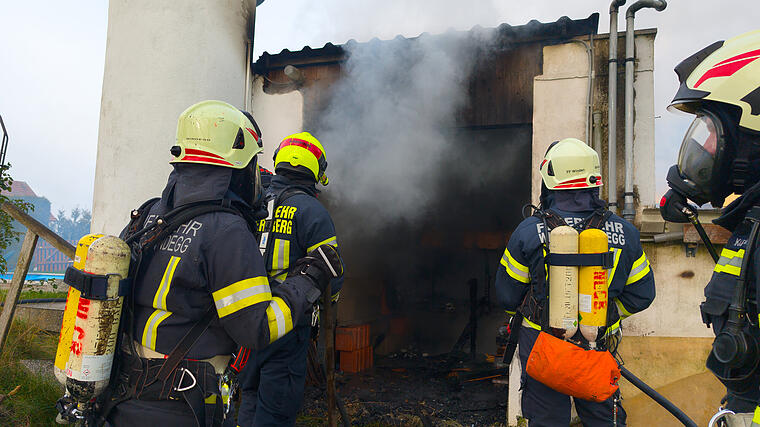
561, 29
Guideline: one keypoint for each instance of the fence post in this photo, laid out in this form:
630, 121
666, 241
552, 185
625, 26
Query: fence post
19, 277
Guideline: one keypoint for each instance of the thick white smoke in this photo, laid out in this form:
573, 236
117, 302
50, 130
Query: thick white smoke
391, 124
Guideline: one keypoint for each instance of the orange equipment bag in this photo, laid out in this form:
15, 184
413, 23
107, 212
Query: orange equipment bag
569, 369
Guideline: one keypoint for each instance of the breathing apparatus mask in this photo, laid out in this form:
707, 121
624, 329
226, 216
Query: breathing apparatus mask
700, 174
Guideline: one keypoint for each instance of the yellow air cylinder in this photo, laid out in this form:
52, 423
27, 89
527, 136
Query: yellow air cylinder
563, 282
592, 286
96, 322
70, 312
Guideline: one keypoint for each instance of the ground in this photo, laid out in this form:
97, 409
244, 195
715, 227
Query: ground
417, 391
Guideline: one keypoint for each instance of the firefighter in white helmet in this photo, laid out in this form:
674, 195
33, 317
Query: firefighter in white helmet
720, 155
202, 290
571, 179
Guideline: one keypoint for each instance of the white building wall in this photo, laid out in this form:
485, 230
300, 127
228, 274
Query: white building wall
277, 115
161, 57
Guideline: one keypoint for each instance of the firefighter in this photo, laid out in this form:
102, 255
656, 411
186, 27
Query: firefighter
720, 155
272, 383
570, 196
207, 279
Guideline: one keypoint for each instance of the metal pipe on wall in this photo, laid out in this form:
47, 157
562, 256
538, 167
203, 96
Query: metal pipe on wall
612, 108
249, 53
629, 213
597, 127
590, 55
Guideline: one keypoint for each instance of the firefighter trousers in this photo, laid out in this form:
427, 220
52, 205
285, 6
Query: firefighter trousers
272, 383
544, 407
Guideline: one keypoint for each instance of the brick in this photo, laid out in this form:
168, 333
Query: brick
350, 338
356, 360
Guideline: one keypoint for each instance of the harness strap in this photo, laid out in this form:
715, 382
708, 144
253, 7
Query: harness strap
514, 330
179, 351
605, 260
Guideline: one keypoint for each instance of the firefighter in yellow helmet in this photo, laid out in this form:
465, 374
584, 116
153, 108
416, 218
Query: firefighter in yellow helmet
571, 179
201, 290
720, 155
272, 383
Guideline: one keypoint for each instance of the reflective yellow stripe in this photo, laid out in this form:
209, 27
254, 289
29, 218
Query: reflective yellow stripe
161, 313
151, 328
515, 270
241, 294
756, 417
211, 400
280, 321
612, 329
511, 313
159, 300
639, 269
281, 255
730, 262
622, 310
531, 324
611, 273
332, 241
279, 276
335, 297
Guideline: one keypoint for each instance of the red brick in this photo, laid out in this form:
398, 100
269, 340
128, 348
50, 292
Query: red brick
350, 338
356, 361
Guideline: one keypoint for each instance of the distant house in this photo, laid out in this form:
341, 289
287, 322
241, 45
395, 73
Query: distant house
46, 258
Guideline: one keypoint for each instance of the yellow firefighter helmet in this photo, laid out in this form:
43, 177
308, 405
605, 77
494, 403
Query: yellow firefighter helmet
570, 164
216, 133
725, 72
302, 150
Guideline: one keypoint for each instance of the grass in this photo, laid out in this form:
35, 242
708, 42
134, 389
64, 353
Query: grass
35, 294
33, 404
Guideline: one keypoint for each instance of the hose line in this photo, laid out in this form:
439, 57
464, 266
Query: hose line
657, 397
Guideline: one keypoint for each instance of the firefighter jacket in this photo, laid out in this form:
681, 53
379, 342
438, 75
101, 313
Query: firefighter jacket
298, 225
630, 281
212, 260
720, 289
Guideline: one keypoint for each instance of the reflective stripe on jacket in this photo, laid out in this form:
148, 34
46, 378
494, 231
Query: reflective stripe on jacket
299, 225
207, 262
630, 280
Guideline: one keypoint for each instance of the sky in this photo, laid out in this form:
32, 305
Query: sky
52, 58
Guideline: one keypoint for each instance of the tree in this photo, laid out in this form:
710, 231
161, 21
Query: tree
74, 226
8, 234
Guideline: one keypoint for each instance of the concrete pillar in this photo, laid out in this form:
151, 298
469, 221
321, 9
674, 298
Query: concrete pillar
161, 57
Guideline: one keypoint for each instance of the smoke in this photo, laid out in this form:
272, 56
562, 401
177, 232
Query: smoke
391, 125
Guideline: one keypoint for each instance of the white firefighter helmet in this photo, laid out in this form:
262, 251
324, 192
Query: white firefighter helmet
570, 164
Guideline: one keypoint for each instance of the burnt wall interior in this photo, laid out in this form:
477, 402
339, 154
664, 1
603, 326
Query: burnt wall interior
429, 147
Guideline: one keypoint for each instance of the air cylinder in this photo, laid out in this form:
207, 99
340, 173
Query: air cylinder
563, 283
70, 312
592, 286
96, 321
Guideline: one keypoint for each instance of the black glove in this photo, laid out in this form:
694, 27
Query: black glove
321, 265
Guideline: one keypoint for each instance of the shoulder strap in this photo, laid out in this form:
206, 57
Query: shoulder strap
514, 331
597, 219
138, 216
264, 242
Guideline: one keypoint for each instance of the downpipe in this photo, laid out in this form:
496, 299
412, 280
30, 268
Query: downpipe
612, 108
629, 212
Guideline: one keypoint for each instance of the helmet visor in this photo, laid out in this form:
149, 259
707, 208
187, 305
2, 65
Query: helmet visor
699, 149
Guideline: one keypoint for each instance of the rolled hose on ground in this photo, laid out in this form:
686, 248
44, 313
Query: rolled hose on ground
657, 397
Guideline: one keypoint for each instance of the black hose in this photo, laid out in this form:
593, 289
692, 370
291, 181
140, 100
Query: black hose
37, 301
657, 397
